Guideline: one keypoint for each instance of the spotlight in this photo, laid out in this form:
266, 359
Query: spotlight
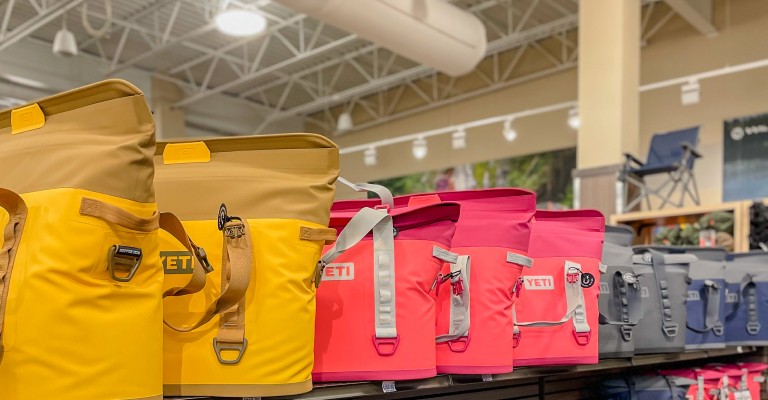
690, 93
369, 157
420, 148
344, 122
509, 132
573, 118
459, 139
240, 22
64, 43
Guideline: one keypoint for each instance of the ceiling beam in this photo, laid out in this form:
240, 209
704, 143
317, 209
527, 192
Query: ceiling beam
698, 13
30, 26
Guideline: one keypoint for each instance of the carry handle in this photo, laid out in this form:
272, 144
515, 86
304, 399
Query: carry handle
116, 215
657, 260
748, 291
237, 264
384, 194
459, 301
712, 321
171, 224
626, 289
16, 208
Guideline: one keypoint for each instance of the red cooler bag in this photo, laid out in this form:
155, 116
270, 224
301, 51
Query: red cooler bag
557, 312
493, 230
375, 313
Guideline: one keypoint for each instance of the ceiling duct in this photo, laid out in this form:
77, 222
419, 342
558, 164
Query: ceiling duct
430, 32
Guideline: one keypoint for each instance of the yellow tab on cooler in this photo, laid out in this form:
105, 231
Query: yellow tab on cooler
183, 153
27, 118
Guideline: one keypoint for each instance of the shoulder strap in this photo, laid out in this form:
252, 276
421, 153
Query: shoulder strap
171, 224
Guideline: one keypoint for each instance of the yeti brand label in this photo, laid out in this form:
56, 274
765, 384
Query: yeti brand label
176, 262
604, 288
693, 295
339, 272
644, 291
539, 283
731, 297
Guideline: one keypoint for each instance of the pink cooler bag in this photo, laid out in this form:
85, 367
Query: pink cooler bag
493, 230
557, 313
375, 313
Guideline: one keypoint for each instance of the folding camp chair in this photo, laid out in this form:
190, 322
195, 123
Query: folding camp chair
671, 153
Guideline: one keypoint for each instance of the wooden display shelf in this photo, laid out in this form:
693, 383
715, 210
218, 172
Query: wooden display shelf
562, 383
643, 221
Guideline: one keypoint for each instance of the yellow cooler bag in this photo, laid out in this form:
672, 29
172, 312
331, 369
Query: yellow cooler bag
259, 206
81, 283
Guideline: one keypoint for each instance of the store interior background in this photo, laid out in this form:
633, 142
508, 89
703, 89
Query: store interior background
675, 50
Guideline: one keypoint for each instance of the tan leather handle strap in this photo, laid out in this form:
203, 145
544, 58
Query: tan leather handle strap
17, 215
118, 216
237, 264
171, 224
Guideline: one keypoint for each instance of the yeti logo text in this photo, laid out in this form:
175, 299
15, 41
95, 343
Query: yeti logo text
731, 297
644, 291
539, 283
339, 272
176, 262
693, 295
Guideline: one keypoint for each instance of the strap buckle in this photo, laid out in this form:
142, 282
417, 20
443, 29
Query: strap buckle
126, 259
515, 339
718, 329
239, 347
670, 329
234, 228
202, 256
378, 343
582, 338
318, 276
461, 344
626, 332
753, 327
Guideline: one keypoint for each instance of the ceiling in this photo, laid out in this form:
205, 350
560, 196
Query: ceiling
299, 66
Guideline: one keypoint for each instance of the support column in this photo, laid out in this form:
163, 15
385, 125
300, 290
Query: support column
609, 77
168, 121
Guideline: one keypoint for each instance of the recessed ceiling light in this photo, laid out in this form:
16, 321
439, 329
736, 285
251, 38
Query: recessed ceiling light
240, 22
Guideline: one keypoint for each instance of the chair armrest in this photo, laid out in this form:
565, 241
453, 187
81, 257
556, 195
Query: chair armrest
688, 147
630, 158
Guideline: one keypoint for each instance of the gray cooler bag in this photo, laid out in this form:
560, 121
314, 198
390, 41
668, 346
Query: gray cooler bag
620, 301
663, 287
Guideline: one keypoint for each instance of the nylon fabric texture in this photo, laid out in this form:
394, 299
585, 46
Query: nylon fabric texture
281, 186
83, 311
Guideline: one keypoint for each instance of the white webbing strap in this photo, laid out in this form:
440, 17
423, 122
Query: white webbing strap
575, 310
384, 194
384, 278
459, 307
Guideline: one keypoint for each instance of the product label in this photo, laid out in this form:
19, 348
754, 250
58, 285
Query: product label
693, 295
339, 272
176, 262
605, 288
644, 291
539, 282
731, 297
388, 386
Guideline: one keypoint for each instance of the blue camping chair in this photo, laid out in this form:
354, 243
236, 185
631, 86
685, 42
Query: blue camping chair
671, 153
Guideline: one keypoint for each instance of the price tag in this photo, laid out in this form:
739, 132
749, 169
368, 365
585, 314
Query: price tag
487, 377
742, 395
388, 386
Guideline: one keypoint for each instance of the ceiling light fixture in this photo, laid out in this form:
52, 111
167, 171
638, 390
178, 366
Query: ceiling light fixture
509, 132
459, 139
690, 93
574, 121
420, 148
238, 22
64, 43
369, 157
344, 122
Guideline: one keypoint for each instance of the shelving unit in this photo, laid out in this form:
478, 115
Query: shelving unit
562, 383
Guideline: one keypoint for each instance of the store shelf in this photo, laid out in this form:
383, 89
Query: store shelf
524, 383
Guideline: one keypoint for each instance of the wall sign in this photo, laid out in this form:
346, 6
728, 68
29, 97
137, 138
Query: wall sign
745, 158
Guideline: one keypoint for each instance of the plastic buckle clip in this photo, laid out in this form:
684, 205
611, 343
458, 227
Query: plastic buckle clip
582, 338
378, 343
670, 329
516, 339
461, 344
718, 329
753, 327
318, 276
218, 347
202, 256
124, 258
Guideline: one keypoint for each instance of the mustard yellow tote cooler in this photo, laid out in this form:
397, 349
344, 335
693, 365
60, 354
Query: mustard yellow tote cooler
259, 207
80, 276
